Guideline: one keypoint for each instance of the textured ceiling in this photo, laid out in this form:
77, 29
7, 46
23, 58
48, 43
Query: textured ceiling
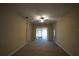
52, 10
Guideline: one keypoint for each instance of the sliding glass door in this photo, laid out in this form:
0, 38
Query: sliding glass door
41, 33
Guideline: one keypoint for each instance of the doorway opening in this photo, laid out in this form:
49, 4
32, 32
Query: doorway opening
41, 33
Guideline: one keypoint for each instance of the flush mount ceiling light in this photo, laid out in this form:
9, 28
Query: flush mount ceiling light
42, 18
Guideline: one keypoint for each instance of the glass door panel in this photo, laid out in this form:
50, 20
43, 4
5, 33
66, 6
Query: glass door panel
41, 33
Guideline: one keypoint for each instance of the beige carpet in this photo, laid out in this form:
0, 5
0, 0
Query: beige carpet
41, 48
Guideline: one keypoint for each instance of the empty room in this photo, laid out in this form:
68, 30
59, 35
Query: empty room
39, 29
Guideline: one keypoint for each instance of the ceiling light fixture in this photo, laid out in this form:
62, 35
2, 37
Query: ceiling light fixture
45, 17
41, 18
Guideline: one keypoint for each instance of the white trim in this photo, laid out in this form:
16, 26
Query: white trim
64, 49
17, 49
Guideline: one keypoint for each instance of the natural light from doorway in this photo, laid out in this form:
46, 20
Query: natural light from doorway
41, 33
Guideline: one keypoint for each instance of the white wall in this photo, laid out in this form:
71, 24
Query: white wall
67, 32
12, 30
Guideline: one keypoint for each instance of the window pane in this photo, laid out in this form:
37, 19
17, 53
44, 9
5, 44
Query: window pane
44, 33
41, 33
38, 33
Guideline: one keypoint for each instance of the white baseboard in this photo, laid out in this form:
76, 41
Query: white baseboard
64, 49
17, 49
